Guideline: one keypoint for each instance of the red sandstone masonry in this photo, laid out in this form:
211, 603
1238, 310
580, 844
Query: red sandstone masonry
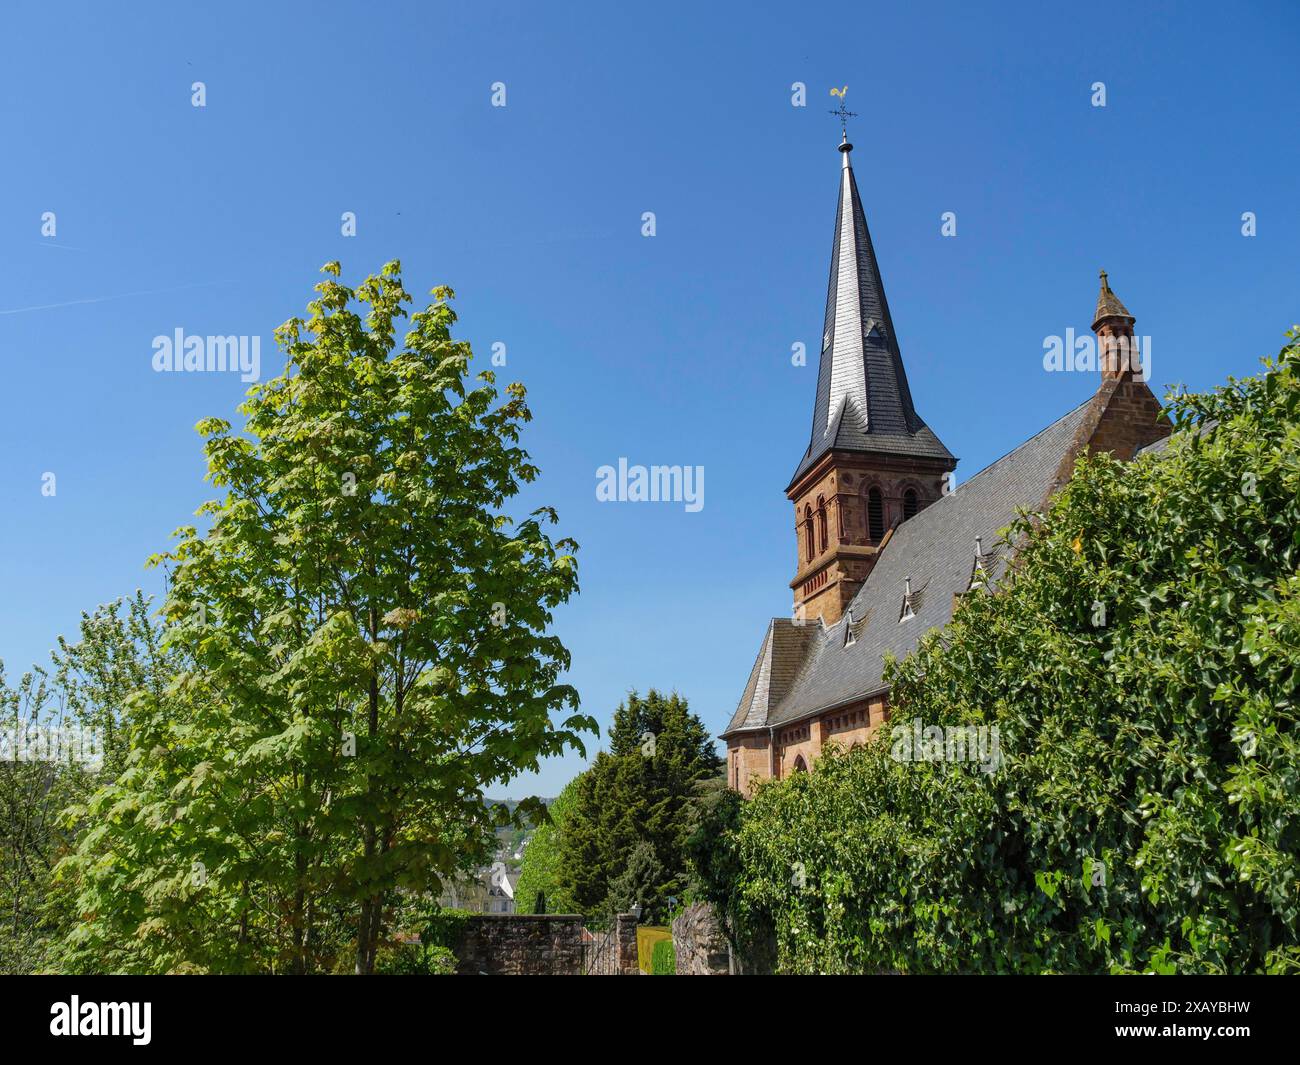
833, 494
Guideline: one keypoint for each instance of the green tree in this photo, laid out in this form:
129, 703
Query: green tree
1144, 815
540, 873
86, 690
638, 792
367, 645
640, 885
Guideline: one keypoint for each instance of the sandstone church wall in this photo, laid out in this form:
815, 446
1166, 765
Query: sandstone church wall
748, 760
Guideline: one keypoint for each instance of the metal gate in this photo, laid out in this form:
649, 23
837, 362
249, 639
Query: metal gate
599, 953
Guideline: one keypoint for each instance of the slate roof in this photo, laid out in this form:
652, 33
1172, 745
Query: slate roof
1158, 447
784, 648
936, 549
863, 400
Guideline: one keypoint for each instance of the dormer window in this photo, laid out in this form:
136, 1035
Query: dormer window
979, 574
853, 627
908, 612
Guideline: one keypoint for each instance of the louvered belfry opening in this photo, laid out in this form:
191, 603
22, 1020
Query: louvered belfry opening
875, 515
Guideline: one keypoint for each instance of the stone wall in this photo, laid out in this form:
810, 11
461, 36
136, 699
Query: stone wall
699, 943
520, 944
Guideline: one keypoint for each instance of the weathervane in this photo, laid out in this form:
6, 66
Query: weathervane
843, 113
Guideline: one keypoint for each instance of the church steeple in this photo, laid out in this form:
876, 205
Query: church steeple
863, 401
871, 461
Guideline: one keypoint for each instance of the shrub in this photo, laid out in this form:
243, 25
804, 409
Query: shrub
415, 959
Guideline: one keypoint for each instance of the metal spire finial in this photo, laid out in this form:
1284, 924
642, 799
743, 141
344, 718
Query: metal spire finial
843, 114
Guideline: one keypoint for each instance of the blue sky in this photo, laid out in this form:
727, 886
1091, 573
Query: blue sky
670, 349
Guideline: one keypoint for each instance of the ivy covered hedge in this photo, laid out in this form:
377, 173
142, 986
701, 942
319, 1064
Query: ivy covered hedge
1141, 666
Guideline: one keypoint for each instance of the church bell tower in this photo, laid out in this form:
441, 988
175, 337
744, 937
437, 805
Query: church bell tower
871, 461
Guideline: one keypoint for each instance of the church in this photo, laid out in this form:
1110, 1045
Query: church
884, 546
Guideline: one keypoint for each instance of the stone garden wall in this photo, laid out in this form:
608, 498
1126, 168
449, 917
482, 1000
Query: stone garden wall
526, 944
699, 943
520, 944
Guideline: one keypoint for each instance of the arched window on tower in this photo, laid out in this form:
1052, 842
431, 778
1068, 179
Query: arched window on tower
808, 549
909, 504
875, 515
821, 524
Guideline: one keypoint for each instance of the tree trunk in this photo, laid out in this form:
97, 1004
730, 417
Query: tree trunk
368, 923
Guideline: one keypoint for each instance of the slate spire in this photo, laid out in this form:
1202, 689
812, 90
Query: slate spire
863, 399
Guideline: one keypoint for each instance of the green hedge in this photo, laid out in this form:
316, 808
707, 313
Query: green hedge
663, 959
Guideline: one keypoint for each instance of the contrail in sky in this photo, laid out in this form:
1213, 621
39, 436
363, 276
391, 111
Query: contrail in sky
105, 299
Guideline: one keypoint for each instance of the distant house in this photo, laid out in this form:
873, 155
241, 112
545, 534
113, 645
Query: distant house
501, 893
488, 890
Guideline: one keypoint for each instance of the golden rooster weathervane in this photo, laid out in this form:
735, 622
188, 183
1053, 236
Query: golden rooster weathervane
843, 113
